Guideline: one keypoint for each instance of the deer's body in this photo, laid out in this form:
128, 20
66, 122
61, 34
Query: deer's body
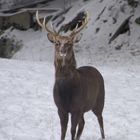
76, 90
81, 91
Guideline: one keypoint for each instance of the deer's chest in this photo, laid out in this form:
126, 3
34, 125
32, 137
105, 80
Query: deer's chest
65, 93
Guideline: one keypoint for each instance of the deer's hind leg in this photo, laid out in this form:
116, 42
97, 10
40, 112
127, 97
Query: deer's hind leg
80, 127
100, 121
97, 110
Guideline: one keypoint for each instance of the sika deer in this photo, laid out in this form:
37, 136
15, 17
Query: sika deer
76, 90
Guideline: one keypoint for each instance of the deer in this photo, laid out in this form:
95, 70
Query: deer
76, 90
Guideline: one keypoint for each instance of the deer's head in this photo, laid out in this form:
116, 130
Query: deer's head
63, 44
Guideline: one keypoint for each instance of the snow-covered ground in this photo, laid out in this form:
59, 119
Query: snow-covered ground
27, 110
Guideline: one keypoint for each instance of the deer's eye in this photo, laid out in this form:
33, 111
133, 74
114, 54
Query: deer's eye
57, 43
68, 45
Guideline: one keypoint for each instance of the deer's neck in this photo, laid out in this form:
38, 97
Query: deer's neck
65, 71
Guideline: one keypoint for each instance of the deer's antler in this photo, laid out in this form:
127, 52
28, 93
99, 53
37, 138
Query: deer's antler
44, 25
51, 30
84, 23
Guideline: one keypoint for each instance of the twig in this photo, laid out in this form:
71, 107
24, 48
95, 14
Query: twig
100, 14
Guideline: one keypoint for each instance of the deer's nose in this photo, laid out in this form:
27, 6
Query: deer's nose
62, 52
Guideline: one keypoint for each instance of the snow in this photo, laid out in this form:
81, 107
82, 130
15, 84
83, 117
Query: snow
27, 109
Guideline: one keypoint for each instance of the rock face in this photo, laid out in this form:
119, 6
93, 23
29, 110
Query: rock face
138, 20
11, 4
20, 21
133, 3
9, 46
20, 13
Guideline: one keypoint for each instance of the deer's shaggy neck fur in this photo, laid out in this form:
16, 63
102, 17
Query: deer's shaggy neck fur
66, 71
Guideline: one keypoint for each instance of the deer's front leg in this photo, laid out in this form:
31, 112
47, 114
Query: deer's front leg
64, 121
74, 122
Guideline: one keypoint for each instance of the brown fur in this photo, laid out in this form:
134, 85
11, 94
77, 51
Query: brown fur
76, 91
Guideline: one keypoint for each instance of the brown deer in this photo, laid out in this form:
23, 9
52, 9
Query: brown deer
76, 90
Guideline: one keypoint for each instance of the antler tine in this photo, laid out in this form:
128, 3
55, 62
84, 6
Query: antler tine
53, 28
44, 24
75, 28
84, 24
38, 21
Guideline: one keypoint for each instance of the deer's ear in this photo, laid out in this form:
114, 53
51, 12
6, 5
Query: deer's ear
77, 38
51, 37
